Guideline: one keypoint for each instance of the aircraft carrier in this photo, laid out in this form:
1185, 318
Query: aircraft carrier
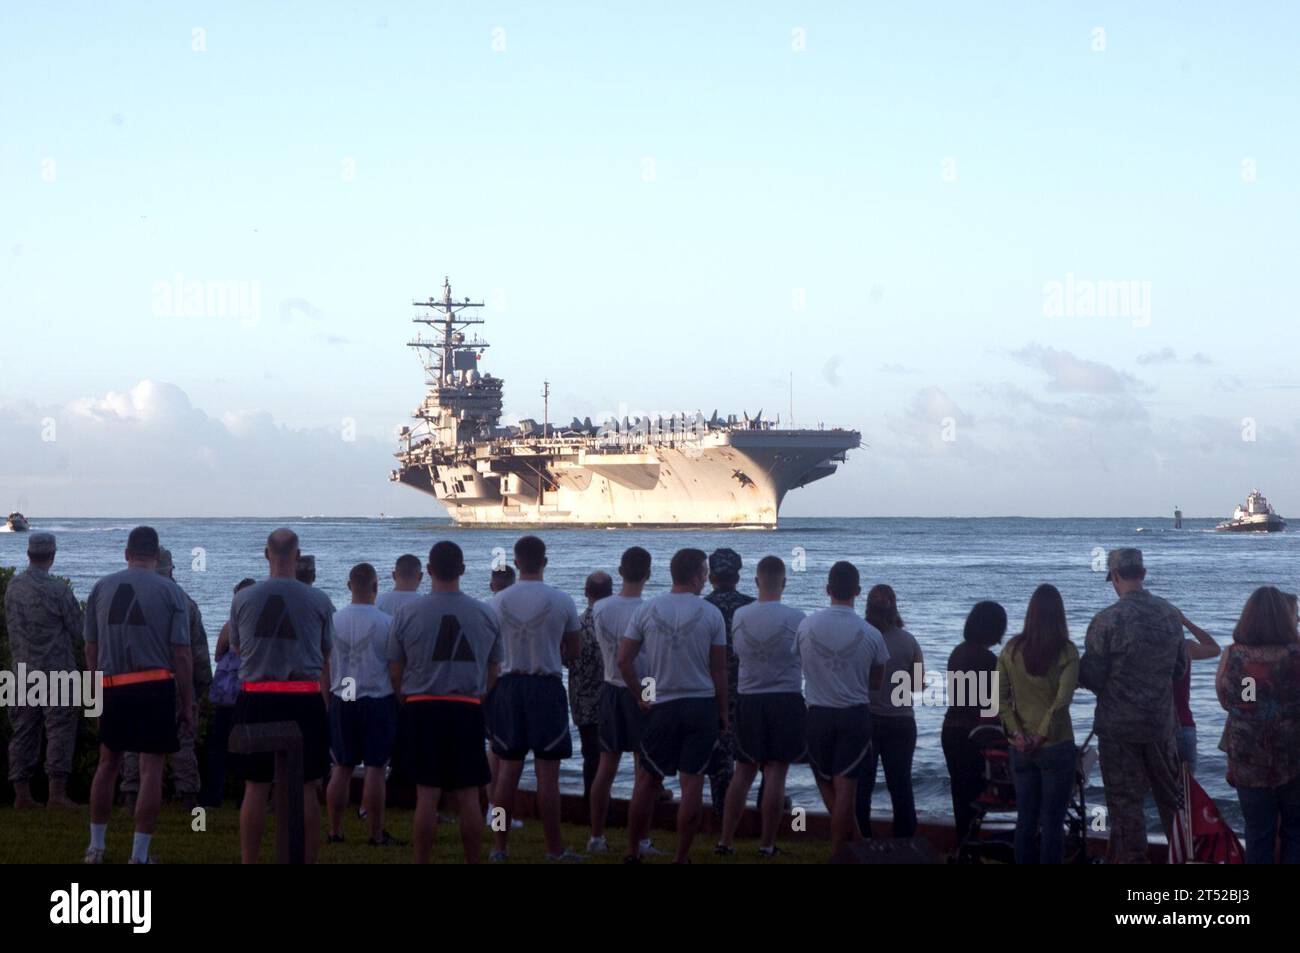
683, 470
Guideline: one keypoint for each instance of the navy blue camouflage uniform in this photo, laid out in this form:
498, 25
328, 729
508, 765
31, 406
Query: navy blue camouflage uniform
724, 566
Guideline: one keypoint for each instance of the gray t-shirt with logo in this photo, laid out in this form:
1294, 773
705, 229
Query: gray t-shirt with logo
534, 618
283, 630
447, 640
903, 652
762, 634
394, 599
610, 619
136, 617
838, 649
676, 631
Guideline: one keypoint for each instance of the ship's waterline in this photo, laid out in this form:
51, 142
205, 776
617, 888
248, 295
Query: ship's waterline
687, 471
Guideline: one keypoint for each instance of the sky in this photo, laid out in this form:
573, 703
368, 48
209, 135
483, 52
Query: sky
1041, 255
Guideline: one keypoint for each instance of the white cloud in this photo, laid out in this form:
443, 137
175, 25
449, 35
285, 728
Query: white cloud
1167, 355
149, 451
1068, 373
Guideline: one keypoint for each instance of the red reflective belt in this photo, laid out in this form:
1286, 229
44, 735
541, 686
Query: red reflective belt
134, 678
442, 698
294, 687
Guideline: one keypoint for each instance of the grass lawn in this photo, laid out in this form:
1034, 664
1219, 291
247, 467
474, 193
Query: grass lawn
60, 837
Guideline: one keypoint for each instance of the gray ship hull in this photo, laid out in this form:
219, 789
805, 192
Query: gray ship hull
732, 478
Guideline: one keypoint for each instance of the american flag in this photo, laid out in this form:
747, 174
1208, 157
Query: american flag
1200, 834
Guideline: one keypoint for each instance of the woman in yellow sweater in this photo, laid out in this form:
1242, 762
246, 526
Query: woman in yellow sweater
1037, 674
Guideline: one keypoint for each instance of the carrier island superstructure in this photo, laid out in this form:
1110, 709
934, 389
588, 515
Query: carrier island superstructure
681, 470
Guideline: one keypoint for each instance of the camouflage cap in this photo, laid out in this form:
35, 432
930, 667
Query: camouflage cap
164, 560
1118, 559
724, 562
40, 545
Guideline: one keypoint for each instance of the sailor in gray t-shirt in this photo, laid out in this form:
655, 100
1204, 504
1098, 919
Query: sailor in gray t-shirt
619, 717
763, 635
534, 620
444, 650
676, 631
610, 618
406, 585
136, 629
843, 657
283, 630
770, 710
529, 708
446, 643
136, 617
393, 600
838, 650
682, 641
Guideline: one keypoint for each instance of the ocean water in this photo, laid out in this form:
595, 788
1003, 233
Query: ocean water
938, 567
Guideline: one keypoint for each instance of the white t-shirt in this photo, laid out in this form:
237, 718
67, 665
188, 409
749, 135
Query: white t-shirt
394, 599
361, 652
838, 649
676, 632
534, 618
610, 618
762, 634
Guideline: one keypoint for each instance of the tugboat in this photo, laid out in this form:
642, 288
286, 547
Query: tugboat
1254, 516
17, 523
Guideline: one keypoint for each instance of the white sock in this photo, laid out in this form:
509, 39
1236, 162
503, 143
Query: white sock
97, 832
140, 847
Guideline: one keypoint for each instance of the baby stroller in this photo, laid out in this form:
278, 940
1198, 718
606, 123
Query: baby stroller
991, 838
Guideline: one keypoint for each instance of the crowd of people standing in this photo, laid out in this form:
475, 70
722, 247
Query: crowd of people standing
454, 694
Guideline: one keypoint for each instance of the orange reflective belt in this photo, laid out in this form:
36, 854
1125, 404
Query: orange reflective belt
287, 687
442, 698
134, 678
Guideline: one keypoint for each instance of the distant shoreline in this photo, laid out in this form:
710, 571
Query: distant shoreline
448, 520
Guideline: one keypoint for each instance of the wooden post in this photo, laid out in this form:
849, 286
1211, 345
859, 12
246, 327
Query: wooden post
284, 740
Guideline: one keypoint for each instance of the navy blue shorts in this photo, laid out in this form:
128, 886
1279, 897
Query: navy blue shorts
679, 736
363, 731
529, 713
621, 719
839, 741
140, 717
770, 727
440, 745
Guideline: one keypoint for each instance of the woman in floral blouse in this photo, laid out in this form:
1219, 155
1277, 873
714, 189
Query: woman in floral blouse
1258, 684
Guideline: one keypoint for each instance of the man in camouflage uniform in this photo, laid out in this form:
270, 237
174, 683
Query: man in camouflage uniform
186, 779
586, 674
44, 621
724, 574
1133, 654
